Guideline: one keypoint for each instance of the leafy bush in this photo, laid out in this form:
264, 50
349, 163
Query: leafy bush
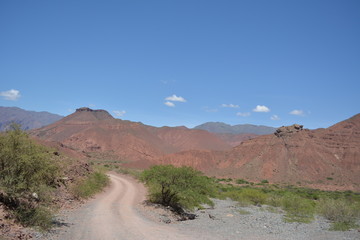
24, 165
28, 174
90, 185
182, 187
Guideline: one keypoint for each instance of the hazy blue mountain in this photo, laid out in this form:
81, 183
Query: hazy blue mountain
27, 119
220, 127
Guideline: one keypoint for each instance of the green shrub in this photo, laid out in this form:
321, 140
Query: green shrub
342, 226
298, 209
341, 212
255, 196
40, 216
274, 200
247, 196
241, 181
26, 168
136, 173
90, 185
24, 165
182, 187
264, 181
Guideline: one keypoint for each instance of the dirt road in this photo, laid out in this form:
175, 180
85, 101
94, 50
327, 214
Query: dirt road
113, 215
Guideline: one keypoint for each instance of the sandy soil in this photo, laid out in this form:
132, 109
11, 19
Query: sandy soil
113, 215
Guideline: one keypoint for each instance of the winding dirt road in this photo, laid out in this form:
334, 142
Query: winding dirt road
112, 215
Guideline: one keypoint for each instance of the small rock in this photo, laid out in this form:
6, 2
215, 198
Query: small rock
35, 195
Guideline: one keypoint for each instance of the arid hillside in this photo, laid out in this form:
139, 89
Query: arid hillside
235, 139
328, 158
323, 157
89, 131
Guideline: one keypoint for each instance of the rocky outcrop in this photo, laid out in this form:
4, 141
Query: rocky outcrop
288, 130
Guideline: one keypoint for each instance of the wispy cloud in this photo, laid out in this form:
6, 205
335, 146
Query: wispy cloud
175, 98
119, 113
261, 108
169, 104
243, 114
11, 95
297, 112
230, 105
275, 117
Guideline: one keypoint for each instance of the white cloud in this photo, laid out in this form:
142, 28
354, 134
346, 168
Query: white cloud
11, 95
230, 105
169, 104
119, 113
297, 112
244, 114
275, 117
175, 98
261, 108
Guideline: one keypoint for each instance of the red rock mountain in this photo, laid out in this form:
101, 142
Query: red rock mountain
89, 130
292, 155
323, 157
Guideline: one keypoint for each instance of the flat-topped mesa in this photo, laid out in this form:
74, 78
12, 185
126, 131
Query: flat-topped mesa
97, 113
288, 130
86, 109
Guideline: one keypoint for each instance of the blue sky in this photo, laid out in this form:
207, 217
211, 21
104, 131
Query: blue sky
184, 62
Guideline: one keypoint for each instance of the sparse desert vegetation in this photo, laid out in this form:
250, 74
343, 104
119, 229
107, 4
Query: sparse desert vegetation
32, 177
90, 185
299, 204
187, 188
28, 174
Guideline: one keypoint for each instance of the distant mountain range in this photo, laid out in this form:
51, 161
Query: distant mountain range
322, 158
220, 127
27, 119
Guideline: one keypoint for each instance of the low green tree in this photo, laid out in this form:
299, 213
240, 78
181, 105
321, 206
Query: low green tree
182, 187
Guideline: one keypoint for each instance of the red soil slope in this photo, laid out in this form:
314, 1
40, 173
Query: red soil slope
235, 139
324, 156
89, 130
